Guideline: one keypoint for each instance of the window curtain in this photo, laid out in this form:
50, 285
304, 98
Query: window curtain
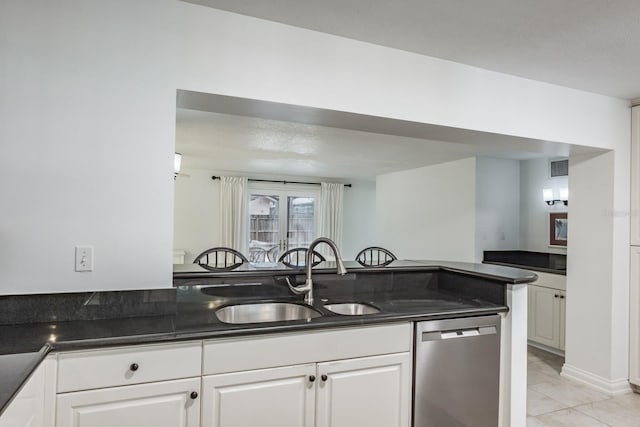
330, 209
233, 212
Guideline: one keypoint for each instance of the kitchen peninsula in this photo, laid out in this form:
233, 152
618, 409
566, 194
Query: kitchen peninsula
89, 348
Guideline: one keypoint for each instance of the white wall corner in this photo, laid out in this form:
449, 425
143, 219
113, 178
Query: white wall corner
609, 387
513, 358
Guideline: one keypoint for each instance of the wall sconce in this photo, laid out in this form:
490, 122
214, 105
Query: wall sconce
547, 196
177, 162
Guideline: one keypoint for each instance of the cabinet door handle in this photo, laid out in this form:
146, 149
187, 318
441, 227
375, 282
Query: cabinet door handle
561, 296
194, 395
312, 378
556, 296
323, 377
134, 367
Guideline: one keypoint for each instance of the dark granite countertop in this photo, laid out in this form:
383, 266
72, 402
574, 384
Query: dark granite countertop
33, 325
506, 274
536, 261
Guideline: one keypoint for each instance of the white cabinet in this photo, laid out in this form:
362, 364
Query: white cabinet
371, 392
368, 391
91, 369
546, 311
331, 378
358, 376
634, 317
634, 273
160, 404
282, 396
34, 404
546, 323
130, 386
635, 176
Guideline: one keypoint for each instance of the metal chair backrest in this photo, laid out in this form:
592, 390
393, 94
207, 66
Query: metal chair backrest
257, 254
296, 258
375, 256
272, 254
220, 258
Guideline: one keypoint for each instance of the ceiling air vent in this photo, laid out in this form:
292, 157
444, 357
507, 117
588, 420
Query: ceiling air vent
559, 168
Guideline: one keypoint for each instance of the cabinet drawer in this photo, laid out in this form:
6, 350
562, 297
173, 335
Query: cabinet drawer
553, 281
268, 351
84, 370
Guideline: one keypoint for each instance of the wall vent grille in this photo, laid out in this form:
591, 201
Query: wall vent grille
558, 168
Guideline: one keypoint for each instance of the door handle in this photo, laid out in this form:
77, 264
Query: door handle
459, 333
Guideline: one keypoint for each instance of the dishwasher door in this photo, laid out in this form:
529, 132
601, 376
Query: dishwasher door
457, 372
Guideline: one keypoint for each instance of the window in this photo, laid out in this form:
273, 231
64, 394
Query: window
281, 217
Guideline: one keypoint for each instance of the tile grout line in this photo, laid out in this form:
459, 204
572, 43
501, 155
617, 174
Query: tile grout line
577, 410
591, 416
537, 361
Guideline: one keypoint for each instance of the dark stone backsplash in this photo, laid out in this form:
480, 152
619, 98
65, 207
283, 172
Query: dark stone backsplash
62, 307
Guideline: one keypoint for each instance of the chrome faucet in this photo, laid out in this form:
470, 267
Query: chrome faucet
307, 288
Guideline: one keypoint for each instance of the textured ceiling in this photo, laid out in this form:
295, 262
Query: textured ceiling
590, 45
258, 146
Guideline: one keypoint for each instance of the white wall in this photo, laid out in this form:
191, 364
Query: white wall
359, 222
197, 212
535, 212
99, 83
196, 222
597, 307
87, 117
429, 213
497, 205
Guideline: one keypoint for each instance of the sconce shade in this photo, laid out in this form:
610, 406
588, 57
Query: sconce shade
564, 194
547, 196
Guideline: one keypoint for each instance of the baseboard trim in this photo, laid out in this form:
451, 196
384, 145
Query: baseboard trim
546, 348
610, 387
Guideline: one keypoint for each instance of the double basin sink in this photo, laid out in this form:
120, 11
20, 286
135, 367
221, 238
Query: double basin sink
283, 311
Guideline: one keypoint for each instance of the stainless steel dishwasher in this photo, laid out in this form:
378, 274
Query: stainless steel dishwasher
457, 372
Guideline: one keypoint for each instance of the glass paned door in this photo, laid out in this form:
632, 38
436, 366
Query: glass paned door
300, 221
264, 227
279, 221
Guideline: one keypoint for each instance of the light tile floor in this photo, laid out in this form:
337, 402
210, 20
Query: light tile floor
555, 401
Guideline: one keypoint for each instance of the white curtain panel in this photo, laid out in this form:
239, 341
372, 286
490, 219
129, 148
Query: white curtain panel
233, 212
330, 210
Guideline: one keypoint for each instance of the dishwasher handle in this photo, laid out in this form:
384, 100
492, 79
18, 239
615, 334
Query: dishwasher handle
459, 333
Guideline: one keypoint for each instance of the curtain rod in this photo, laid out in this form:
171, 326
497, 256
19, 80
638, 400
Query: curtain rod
282, 182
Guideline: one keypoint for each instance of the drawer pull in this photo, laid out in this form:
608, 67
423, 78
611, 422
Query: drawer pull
194, 395
134, 367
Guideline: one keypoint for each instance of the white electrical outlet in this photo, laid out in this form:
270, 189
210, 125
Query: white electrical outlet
84, 258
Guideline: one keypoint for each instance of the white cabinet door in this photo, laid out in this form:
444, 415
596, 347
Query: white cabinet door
365, 392
563, 315
635, 175
634, 316
283, 397
33, 406
160, 404
544, 316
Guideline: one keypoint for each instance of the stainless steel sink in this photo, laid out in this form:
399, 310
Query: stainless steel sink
352, 308
265, 312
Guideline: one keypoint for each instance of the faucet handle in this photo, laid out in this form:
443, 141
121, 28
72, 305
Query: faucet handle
299, 289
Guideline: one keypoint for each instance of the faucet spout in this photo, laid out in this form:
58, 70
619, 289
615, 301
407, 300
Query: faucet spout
340, 268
